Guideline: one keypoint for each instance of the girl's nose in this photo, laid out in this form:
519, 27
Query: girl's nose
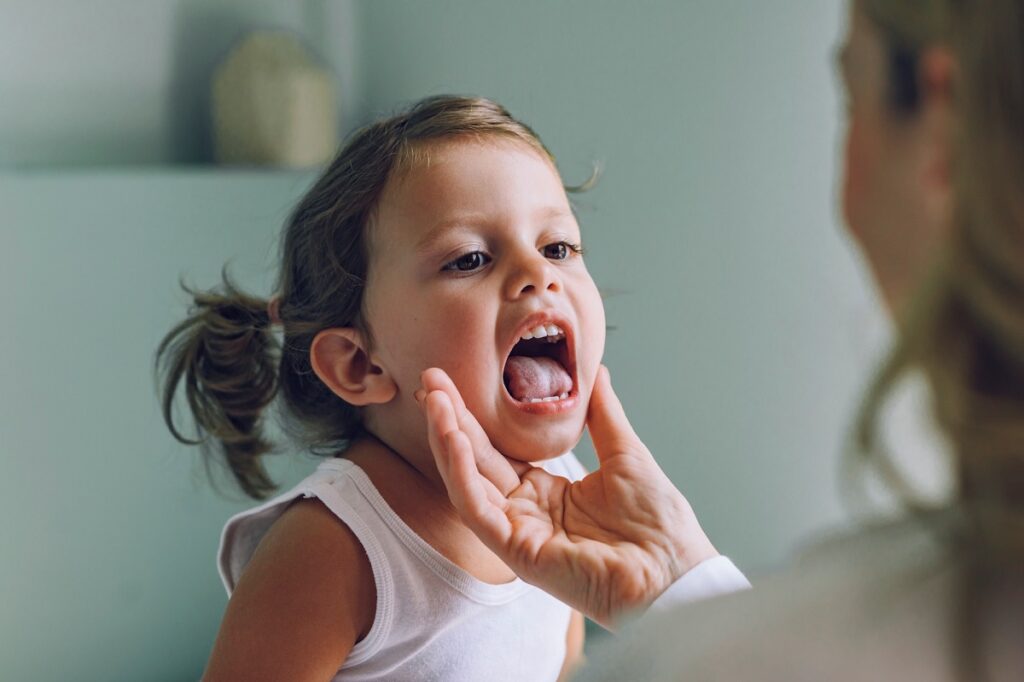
532, 274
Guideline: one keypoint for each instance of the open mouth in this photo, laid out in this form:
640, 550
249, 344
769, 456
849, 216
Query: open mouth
540, 367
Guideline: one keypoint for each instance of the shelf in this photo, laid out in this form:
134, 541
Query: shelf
170, 170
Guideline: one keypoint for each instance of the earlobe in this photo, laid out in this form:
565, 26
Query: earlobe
340, 359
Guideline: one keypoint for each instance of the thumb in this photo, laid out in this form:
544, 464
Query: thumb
610, 430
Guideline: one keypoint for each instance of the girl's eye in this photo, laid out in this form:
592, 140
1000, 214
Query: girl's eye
468, 263
560, 250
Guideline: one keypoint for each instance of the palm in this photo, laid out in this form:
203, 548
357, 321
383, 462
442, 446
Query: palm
600, 544
574, 530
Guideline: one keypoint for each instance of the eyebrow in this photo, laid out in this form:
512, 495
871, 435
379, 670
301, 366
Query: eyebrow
440, 230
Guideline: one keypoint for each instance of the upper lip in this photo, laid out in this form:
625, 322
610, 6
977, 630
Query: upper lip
546, 317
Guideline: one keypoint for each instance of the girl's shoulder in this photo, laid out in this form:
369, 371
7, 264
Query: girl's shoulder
306, 584
310, 557
248, 530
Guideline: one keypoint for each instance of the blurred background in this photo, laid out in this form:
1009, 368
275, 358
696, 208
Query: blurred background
744, 325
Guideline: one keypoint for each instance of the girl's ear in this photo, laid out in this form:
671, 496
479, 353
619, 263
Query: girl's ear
339, 358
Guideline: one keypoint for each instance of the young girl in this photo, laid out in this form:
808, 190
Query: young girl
441, 237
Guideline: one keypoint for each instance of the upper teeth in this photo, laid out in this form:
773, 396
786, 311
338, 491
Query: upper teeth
542, 330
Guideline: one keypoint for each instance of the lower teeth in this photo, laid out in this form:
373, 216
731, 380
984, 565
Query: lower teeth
549, 399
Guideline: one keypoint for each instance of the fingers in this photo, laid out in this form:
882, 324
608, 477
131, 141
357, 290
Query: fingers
468, 492
501, 471
610, 430
440, 422
473, 496
435, 379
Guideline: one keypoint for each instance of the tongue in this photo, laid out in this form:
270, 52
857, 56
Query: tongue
536, 377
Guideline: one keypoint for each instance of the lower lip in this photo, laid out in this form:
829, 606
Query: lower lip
549, 408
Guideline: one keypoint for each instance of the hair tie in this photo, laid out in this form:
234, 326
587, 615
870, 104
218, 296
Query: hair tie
274, 310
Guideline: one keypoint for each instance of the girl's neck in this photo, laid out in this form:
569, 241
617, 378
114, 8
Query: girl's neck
384, 463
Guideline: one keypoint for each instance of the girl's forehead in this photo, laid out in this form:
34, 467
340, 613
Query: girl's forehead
422, 152
466, 179
466, 184
441, 159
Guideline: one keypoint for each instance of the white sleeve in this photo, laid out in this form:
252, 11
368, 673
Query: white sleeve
710, 578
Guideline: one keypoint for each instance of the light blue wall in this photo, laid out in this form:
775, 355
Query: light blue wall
109, 527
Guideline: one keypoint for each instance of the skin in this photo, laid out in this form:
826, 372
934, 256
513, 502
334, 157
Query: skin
503, 201
896, 195
613, 542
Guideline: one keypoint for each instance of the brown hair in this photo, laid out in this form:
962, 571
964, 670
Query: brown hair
225, 353
964, 328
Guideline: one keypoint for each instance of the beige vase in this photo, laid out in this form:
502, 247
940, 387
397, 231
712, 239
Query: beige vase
273, 105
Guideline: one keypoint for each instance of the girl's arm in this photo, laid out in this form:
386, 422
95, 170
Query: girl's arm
306, 597
573, 646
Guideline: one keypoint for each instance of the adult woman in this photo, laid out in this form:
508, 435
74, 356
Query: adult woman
934, 166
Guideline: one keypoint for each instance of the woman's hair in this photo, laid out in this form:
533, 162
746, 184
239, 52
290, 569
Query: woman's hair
964, 328
225, 352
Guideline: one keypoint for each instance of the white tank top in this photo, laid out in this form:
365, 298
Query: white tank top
434, 621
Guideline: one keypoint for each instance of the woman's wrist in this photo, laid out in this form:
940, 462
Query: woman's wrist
685, 544
692, 550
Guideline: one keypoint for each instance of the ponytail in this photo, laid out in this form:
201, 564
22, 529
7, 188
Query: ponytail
225, 355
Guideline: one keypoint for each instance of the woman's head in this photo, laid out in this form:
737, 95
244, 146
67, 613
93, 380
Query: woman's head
363, 310
952, 78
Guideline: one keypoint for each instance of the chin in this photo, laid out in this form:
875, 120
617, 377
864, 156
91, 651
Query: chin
541, 444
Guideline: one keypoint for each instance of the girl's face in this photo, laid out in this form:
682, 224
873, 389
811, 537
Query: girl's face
472, 250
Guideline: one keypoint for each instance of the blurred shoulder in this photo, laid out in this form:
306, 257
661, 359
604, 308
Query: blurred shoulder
850, 607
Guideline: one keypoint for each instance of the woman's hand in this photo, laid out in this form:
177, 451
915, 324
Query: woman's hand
607, 544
